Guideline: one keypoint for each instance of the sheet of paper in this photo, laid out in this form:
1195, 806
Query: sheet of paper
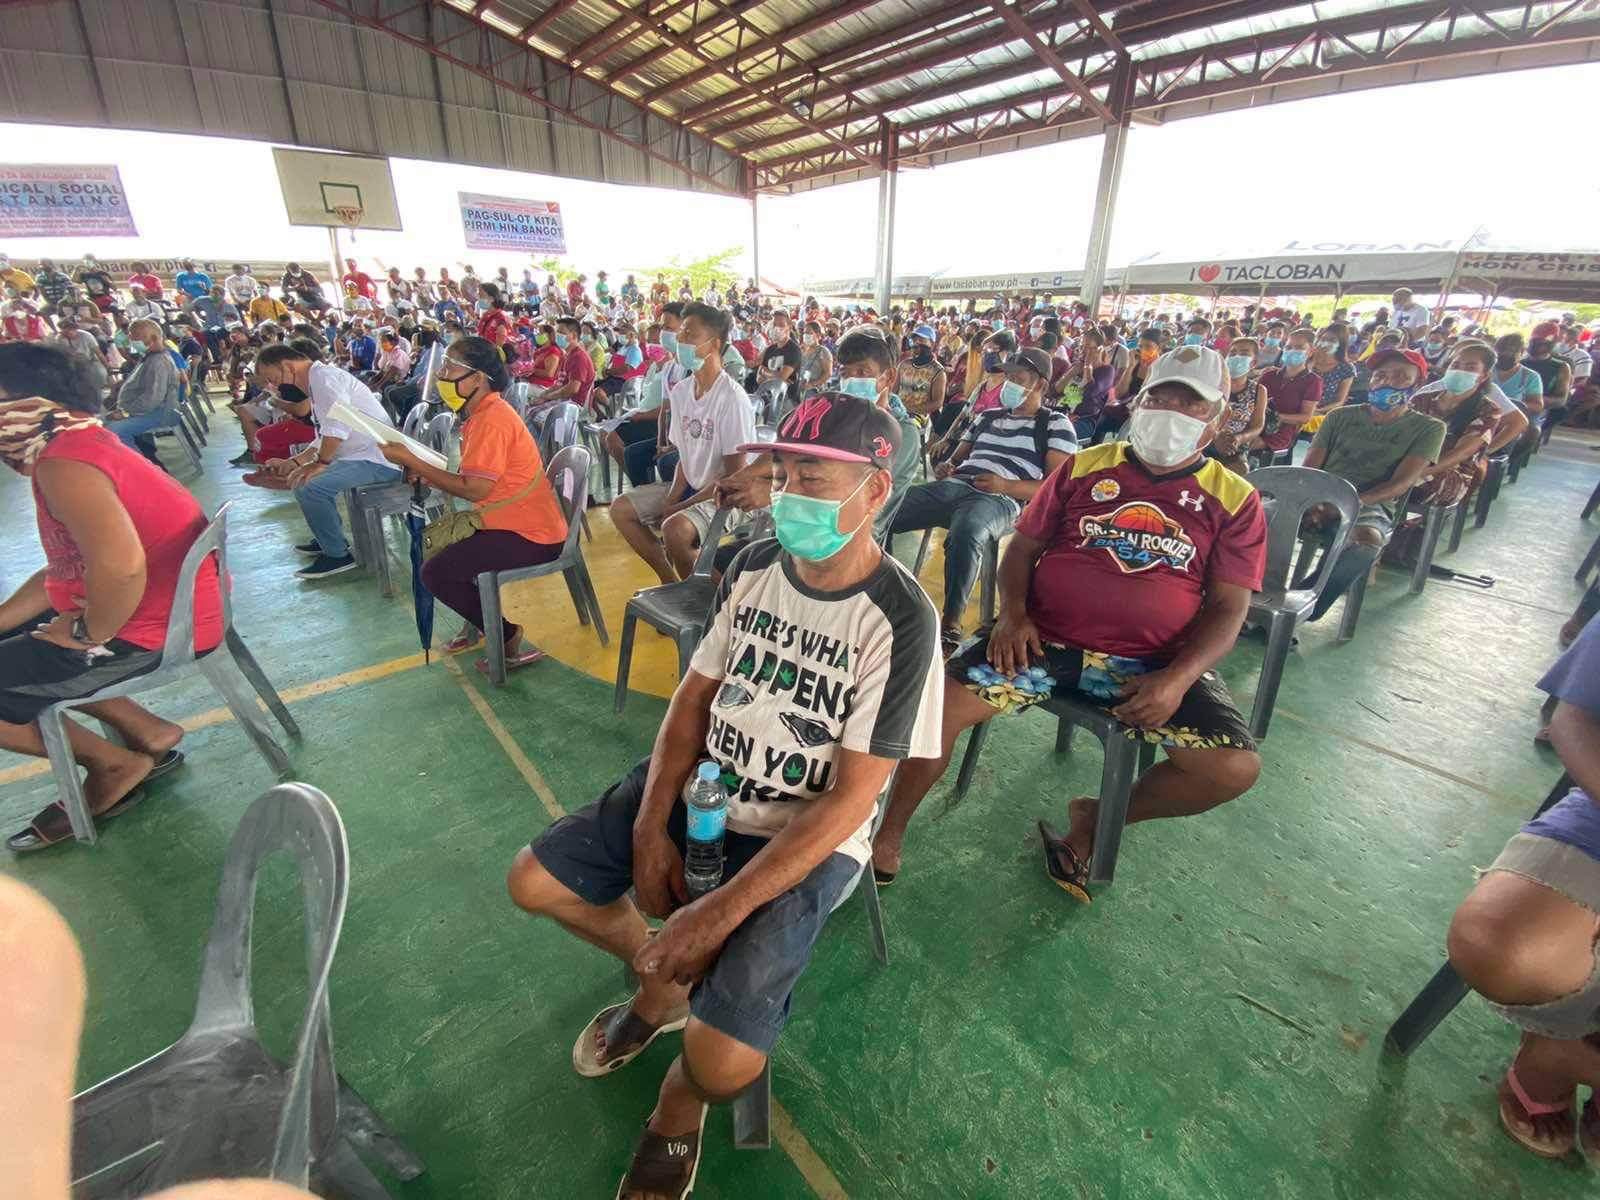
345, 415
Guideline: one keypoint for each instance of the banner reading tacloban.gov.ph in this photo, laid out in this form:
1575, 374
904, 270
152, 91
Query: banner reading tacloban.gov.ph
504, 223
63, 200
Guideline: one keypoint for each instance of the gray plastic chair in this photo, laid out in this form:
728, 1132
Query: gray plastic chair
1440, 995
217, 1103
563, 427
416, 420
372, 503
569, 476
988, 573
188, 436
1126, 758
1288, 493
752, 1108
517, 396
678, 610
229, 669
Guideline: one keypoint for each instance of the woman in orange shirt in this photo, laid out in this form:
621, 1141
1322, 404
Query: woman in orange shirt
502, 475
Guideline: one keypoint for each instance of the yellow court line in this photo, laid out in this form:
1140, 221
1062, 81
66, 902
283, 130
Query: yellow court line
216, 716
514, 752
809, 1163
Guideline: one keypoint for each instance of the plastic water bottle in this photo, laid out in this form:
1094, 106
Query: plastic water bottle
707, 819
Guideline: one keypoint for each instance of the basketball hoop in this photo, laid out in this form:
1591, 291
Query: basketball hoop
349, 214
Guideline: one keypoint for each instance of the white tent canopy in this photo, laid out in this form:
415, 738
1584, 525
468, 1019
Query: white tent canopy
1317, 268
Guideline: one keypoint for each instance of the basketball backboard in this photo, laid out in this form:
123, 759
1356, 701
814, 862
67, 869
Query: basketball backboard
345, 190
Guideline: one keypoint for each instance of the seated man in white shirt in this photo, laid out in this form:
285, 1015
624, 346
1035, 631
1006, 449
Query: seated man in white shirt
341, 458
711, 419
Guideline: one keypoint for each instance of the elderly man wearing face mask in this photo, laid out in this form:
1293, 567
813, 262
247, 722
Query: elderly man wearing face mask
996, 468
1383, 448
816, 675
1126, 582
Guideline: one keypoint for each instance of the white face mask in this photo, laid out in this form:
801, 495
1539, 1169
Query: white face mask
1164, 438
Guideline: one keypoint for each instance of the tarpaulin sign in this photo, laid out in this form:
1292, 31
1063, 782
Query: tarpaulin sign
52, 200
505, 223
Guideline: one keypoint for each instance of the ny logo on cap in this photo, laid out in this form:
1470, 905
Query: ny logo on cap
806, 420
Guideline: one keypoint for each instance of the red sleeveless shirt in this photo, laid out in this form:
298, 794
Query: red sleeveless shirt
167, 519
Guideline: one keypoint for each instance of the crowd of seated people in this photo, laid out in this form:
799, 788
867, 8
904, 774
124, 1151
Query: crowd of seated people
829, 430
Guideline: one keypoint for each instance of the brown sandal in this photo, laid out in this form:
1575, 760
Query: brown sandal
664, 1166
628, 1035
1062, 864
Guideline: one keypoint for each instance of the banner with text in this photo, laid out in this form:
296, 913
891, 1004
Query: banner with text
505, 223
51, 200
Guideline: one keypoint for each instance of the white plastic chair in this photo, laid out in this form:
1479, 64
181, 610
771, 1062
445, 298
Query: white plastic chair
216, 1102
228, 668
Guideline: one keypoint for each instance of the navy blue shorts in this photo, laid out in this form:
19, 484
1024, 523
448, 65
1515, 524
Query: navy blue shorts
746, 993
34, 674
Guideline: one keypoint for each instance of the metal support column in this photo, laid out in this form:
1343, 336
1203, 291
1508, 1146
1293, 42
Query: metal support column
1118, 99
755, 241
887, 178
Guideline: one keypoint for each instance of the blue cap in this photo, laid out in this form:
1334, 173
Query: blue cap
709, 771
925, 331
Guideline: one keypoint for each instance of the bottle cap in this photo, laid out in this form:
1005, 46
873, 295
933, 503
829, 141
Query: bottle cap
709, 771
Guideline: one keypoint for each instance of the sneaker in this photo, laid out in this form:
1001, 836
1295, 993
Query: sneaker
310, 549
323, 566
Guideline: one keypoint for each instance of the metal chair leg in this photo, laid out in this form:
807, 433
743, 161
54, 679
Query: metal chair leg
624, 660
969, 762
1433, 1004
1116, 790
53, 730
752, 1113
495, 644
1280, 636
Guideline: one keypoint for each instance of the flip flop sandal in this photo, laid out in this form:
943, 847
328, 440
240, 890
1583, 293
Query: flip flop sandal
51, 826
1062, 864
531, 655
623, 1028
1534, 1108
665, 1166
883, 878
165, 765
465, 640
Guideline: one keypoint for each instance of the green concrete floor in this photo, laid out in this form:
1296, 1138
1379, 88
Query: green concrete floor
1210, 1027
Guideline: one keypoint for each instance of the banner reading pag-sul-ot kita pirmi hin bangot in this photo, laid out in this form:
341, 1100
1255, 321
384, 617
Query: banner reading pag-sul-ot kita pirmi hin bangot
505, 223
63, 200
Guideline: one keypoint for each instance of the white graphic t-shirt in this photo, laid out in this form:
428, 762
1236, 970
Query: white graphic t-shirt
804, 672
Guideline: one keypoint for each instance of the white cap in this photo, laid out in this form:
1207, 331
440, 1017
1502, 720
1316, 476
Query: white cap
1198, 367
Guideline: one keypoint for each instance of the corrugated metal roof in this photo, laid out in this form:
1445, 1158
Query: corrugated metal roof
776, 93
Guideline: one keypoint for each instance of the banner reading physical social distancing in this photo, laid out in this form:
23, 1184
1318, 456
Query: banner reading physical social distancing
506, 223
53, 200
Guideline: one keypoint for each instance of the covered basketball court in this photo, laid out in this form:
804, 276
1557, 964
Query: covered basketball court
1211, 1027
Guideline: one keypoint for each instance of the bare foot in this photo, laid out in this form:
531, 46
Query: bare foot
1082, 815
885, 854
105, 784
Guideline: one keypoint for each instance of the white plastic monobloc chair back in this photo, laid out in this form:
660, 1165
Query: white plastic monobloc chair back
568, 473
1289, 493
301, 820
213, 539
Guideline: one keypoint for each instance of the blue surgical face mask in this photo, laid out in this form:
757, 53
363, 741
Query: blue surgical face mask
669, 340
1433, 347
1240, 364
997, 326
1294, 358
1193, 339
863, 386
809, 528
689, 356
1387, 399
1272, 343
1459, 380
1012, 394
561, 341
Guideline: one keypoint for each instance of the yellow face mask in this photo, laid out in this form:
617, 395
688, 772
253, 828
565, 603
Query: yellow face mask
450, 394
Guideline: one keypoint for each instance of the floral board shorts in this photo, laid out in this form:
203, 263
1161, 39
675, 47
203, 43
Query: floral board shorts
1206, 718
